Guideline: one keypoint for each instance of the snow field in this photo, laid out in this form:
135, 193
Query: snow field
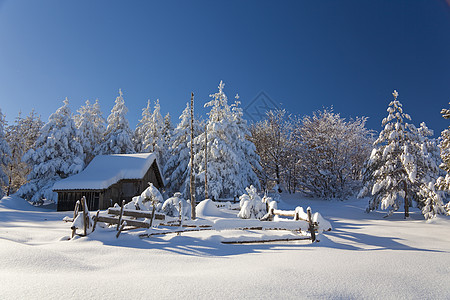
364, 257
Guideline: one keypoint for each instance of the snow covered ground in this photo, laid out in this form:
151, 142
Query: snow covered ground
365, 256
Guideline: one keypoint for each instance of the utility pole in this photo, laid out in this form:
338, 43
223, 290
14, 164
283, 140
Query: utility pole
192, 183
206, 161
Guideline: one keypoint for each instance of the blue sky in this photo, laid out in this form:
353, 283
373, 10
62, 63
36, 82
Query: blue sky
305, 55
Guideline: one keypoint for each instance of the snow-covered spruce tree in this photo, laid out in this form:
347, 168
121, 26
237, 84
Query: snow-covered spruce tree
118, 135
91, 125
399, 167
229, 170
142, 128
167, 135
149, 132
5, 154
426, 171
57, 154
271, 138
177, 168
444, 183
245, 149
154, 139
332, 151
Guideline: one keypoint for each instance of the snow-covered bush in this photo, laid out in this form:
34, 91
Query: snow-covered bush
21, 137
149, 197
172, 207
252, 206
270, 203
331, 154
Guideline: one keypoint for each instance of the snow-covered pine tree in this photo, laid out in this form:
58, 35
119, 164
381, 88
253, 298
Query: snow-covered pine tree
167, 134
229, 168
118, 135
154, 139
177, 169
444, 183
426, 172
57, 154
400, 167
149, 132
91, 125
5, 154
142, 128
245, 149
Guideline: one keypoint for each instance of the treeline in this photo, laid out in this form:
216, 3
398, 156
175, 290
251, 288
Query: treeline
322, 155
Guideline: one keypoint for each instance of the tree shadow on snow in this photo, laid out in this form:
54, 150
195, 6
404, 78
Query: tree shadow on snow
345, 238
193, 246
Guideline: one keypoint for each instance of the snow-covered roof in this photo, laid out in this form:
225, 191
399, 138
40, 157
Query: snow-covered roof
105, 170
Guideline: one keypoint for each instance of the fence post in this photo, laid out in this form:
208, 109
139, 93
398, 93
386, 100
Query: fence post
311, 225
121, 215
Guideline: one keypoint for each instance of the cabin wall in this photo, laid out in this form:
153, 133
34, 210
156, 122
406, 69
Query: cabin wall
68, 199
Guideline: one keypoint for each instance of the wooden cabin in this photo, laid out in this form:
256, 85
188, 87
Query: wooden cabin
109, 179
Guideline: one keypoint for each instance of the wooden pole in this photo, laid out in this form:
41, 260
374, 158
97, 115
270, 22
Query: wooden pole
311, 226
76, 210
153, 213
206, 161
85, 215
121, 227
95, 221
192, 183
121, 214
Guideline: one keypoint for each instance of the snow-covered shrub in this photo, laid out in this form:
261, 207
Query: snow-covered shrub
447, 208
252, 206
171, 206
145, 201
270, 203
331, 154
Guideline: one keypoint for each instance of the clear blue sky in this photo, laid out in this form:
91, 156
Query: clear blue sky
305, 54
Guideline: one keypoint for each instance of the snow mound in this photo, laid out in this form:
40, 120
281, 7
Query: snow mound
16, 203
207, 208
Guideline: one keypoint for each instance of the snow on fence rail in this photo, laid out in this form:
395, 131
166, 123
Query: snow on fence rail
134, 219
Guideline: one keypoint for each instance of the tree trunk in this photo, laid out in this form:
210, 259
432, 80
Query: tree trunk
405, 188
277, 171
